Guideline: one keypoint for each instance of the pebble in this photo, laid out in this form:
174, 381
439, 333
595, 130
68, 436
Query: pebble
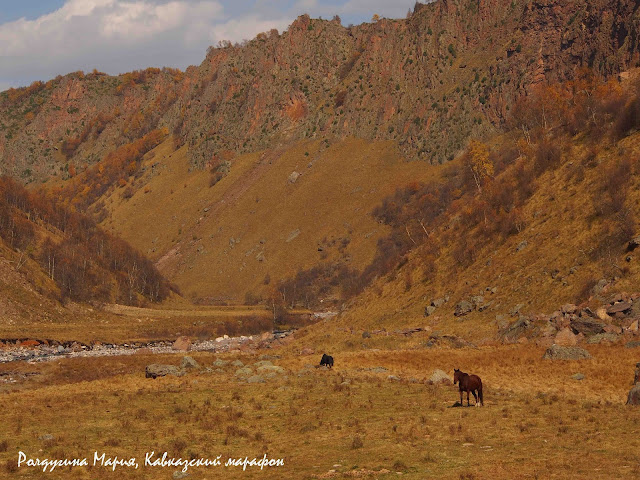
41, 353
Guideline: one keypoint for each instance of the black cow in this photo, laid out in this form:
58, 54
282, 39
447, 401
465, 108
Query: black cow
327, 361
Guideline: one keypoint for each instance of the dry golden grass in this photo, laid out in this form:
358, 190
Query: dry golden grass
343, 423
561, 231
120, 324
187, 226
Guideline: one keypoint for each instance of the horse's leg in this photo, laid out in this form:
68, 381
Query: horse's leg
468, 404
475, 397
461, 397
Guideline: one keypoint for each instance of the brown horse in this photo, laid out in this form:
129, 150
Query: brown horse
468, 383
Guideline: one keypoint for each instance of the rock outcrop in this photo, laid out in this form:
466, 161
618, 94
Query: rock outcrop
157, 370
387, 80
556, 352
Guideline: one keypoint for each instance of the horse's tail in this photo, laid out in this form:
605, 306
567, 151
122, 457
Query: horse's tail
480, 394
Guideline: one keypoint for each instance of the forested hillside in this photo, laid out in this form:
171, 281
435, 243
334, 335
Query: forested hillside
85, 263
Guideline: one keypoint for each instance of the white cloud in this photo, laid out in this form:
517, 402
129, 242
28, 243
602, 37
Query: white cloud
251, 25
121, 35
117, 36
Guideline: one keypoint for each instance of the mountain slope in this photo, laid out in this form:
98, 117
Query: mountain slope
270, 157
272, 214
84, 262
556, 224
454, 64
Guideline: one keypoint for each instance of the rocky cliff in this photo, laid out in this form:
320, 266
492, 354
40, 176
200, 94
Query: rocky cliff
453, 66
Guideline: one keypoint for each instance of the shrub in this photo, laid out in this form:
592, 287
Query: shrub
547, 156
628, 119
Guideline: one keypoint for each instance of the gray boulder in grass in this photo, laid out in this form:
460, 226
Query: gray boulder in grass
157, 370
634, 395
439, 377
557, 352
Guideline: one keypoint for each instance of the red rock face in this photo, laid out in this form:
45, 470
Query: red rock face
454, 66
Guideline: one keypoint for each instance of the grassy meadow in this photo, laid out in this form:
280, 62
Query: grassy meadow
349, 422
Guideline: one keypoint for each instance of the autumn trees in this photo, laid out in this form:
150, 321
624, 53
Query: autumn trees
114, 170
85, 262
477, 160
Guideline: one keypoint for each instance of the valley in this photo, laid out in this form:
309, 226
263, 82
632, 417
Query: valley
457, 189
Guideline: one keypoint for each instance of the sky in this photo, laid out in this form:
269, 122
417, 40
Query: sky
40, 39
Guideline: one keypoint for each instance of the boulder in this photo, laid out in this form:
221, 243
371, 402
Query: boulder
293, 178
182, 344
602, 314
566, 338
438, 302
255, 379
157, 370
463, 308
632, 344
366, 334
603, 337
634, 327
237, 363
429, 310
619, 307
244, 372
189, 363
263, 363
270, 370
516, 330
439, 377
569, 308
307, 351
220, 363
613, 329
558, 352
587, 326
634, 395
577, 376
477, 301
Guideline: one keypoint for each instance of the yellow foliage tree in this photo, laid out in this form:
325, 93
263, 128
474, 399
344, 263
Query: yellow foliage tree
479, 162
